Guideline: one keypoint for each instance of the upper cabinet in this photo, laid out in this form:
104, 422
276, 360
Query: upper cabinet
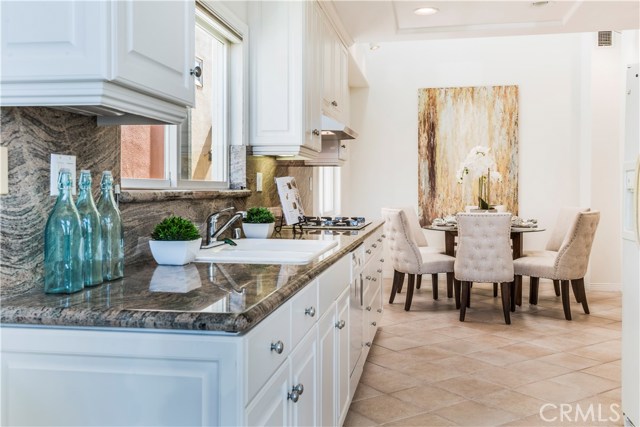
335, 94
285, 78
122, 60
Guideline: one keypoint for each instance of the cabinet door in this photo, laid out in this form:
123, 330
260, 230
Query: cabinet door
342, 356
271, 406
154, 41
304, 371
340, 80
328, 45
327, 385
313, 77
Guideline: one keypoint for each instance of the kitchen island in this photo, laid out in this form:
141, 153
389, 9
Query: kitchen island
203, 344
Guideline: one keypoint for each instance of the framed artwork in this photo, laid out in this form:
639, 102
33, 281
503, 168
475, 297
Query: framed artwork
452, 121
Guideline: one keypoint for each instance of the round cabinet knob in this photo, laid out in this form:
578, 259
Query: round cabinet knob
384, 236
381, 259
380, 239
293, 396
368, 251
298, 388
278, 347
379, 310
343, 146
368, 344
374, 279
369, 308
196, 71
334, 103
311, 311
316, 132
379, 270
374, 324
374, 245
368, 277
340, 324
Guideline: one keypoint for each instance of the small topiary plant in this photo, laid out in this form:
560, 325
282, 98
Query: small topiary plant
259, 216
175, 228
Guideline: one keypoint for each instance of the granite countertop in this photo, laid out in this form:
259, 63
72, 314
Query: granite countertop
199, 296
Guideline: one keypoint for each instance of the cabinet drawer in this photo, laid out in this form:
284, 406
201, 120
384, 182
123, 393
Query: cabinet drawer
304, 312
332, 283
262, 345
373, 246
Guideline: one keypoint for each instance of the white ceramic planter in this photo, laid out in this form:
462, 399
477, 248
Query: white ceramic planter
258, 231
174, 252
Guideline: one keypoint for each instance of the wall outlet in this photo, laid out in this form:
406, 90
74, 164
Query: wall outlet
4, 170
60, 161
259, 182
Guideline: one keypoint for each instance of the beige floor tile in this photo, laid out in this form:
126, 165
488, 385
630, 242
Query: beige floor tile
512, 401
460, 331
383, 409
609, 370
468, 387
421, 420
613, 394
394, 359
606, 351
463, 364
429, 398
376, 350
395, 343
599, 411
470, 413
462, 346
491, 340
553, 392
557, 342
429, 353
429, 372
364, 392
589, 383
388, 381
354, 419
570, 361
540, 369
529, 351
498, 357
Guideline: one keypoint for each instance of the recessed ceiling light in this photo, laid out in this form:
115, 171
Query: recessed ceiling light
374, 46
424, 11
540, 3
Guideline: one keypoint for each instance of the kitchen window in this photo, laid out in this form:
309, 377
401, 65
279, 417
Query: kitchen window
195, 154
328, 179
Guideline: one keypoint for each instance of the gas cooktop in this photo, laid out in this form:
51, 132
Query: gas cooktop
334, 223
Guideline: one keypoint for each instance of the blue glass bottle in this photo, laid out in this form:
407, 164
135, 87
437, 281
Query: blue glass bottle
91, 232
63, 242
112, 233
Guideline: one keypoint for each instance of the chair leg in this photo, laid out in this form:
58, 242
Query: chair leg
495, 290
518, 280
410, 285
576, 291
579, 285
556, 287
469, 294
456, 287
419, 281
512, 287
566, 304
534, 286
449, 285
505, 289
434, 285
465, 296
400, 282
397, 279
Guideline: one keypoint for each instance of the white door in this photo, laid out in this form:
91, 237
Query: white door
270, 407
304, 371
342, 355
328, 363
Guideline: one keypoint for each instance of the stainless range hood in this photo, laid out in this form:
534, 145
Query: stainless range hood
333, 129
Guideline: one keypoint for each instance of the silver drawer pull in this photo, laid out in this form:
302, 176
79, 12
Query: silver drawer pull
293, 396
311, 311
381, 259
368, 277
374, 324
380, 239
379, 270
369, 308
368, 344
379, 310
384, 236
368, 251
278, 347
374, 279
340, 324
374, 245
334, 103
316, 132
298, 388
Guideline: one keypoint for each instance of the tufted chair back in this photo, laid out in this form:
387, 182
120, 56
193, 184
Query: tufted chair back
405, 255
573, 257
484, 248
414, 225
565, 219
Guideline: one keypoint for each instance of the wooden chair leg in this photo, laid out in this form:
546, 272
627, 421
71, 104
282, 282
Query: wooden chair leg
434, 285
518, 280
410, 285
576, 291
456, 287
566, 304
495, 290
464, 297
579, 285
449, 285
400, 282
469, 294
419, 281
397, 280
512, 287
505, 289
534, 286
556, 287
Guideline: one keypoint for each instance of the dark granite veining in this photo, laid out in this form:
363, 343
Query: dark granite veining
213, 297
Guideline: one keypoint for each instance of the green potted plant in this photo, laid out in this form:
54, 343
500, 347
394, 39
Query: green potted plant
259, 223
175, 241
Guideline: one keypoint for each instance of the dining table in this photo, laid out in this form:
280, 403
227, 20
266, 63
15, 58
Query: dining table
451, 232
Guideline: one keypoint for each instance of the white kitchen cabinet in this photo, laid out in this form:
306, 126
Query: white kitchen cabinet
334, 153
335, 94
285, 78
119, 60
342, 357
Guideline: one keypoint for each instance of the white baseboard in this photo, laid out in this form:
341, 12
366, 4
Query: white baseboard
605, 287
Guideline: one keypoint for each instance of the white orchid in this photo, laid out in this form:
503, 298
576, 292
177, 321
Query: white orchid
477, 163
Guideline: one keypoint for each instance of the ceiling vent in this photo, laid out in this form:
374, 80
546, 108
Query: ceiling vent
604, 38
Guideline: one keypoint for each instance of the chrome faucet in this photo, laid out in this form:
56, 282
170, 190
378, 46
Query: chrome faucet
213, 232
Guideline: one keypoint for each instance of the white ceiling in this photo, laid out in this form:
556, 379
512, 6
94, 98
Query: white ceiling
381, 21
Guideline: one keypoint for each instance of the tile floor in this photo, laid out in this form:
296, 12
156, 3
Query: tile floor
426, 368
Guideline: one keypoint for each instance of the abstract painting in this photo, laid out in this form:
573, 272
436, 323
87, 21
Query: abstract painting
451, 121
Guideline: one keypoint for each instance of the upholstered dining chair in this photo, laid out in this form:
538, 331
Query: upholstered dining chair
568, 264
484, 255
406, 256
423, 246
564, 220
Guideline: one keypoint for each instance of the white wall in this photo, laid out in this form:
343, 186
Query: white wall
556, 139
